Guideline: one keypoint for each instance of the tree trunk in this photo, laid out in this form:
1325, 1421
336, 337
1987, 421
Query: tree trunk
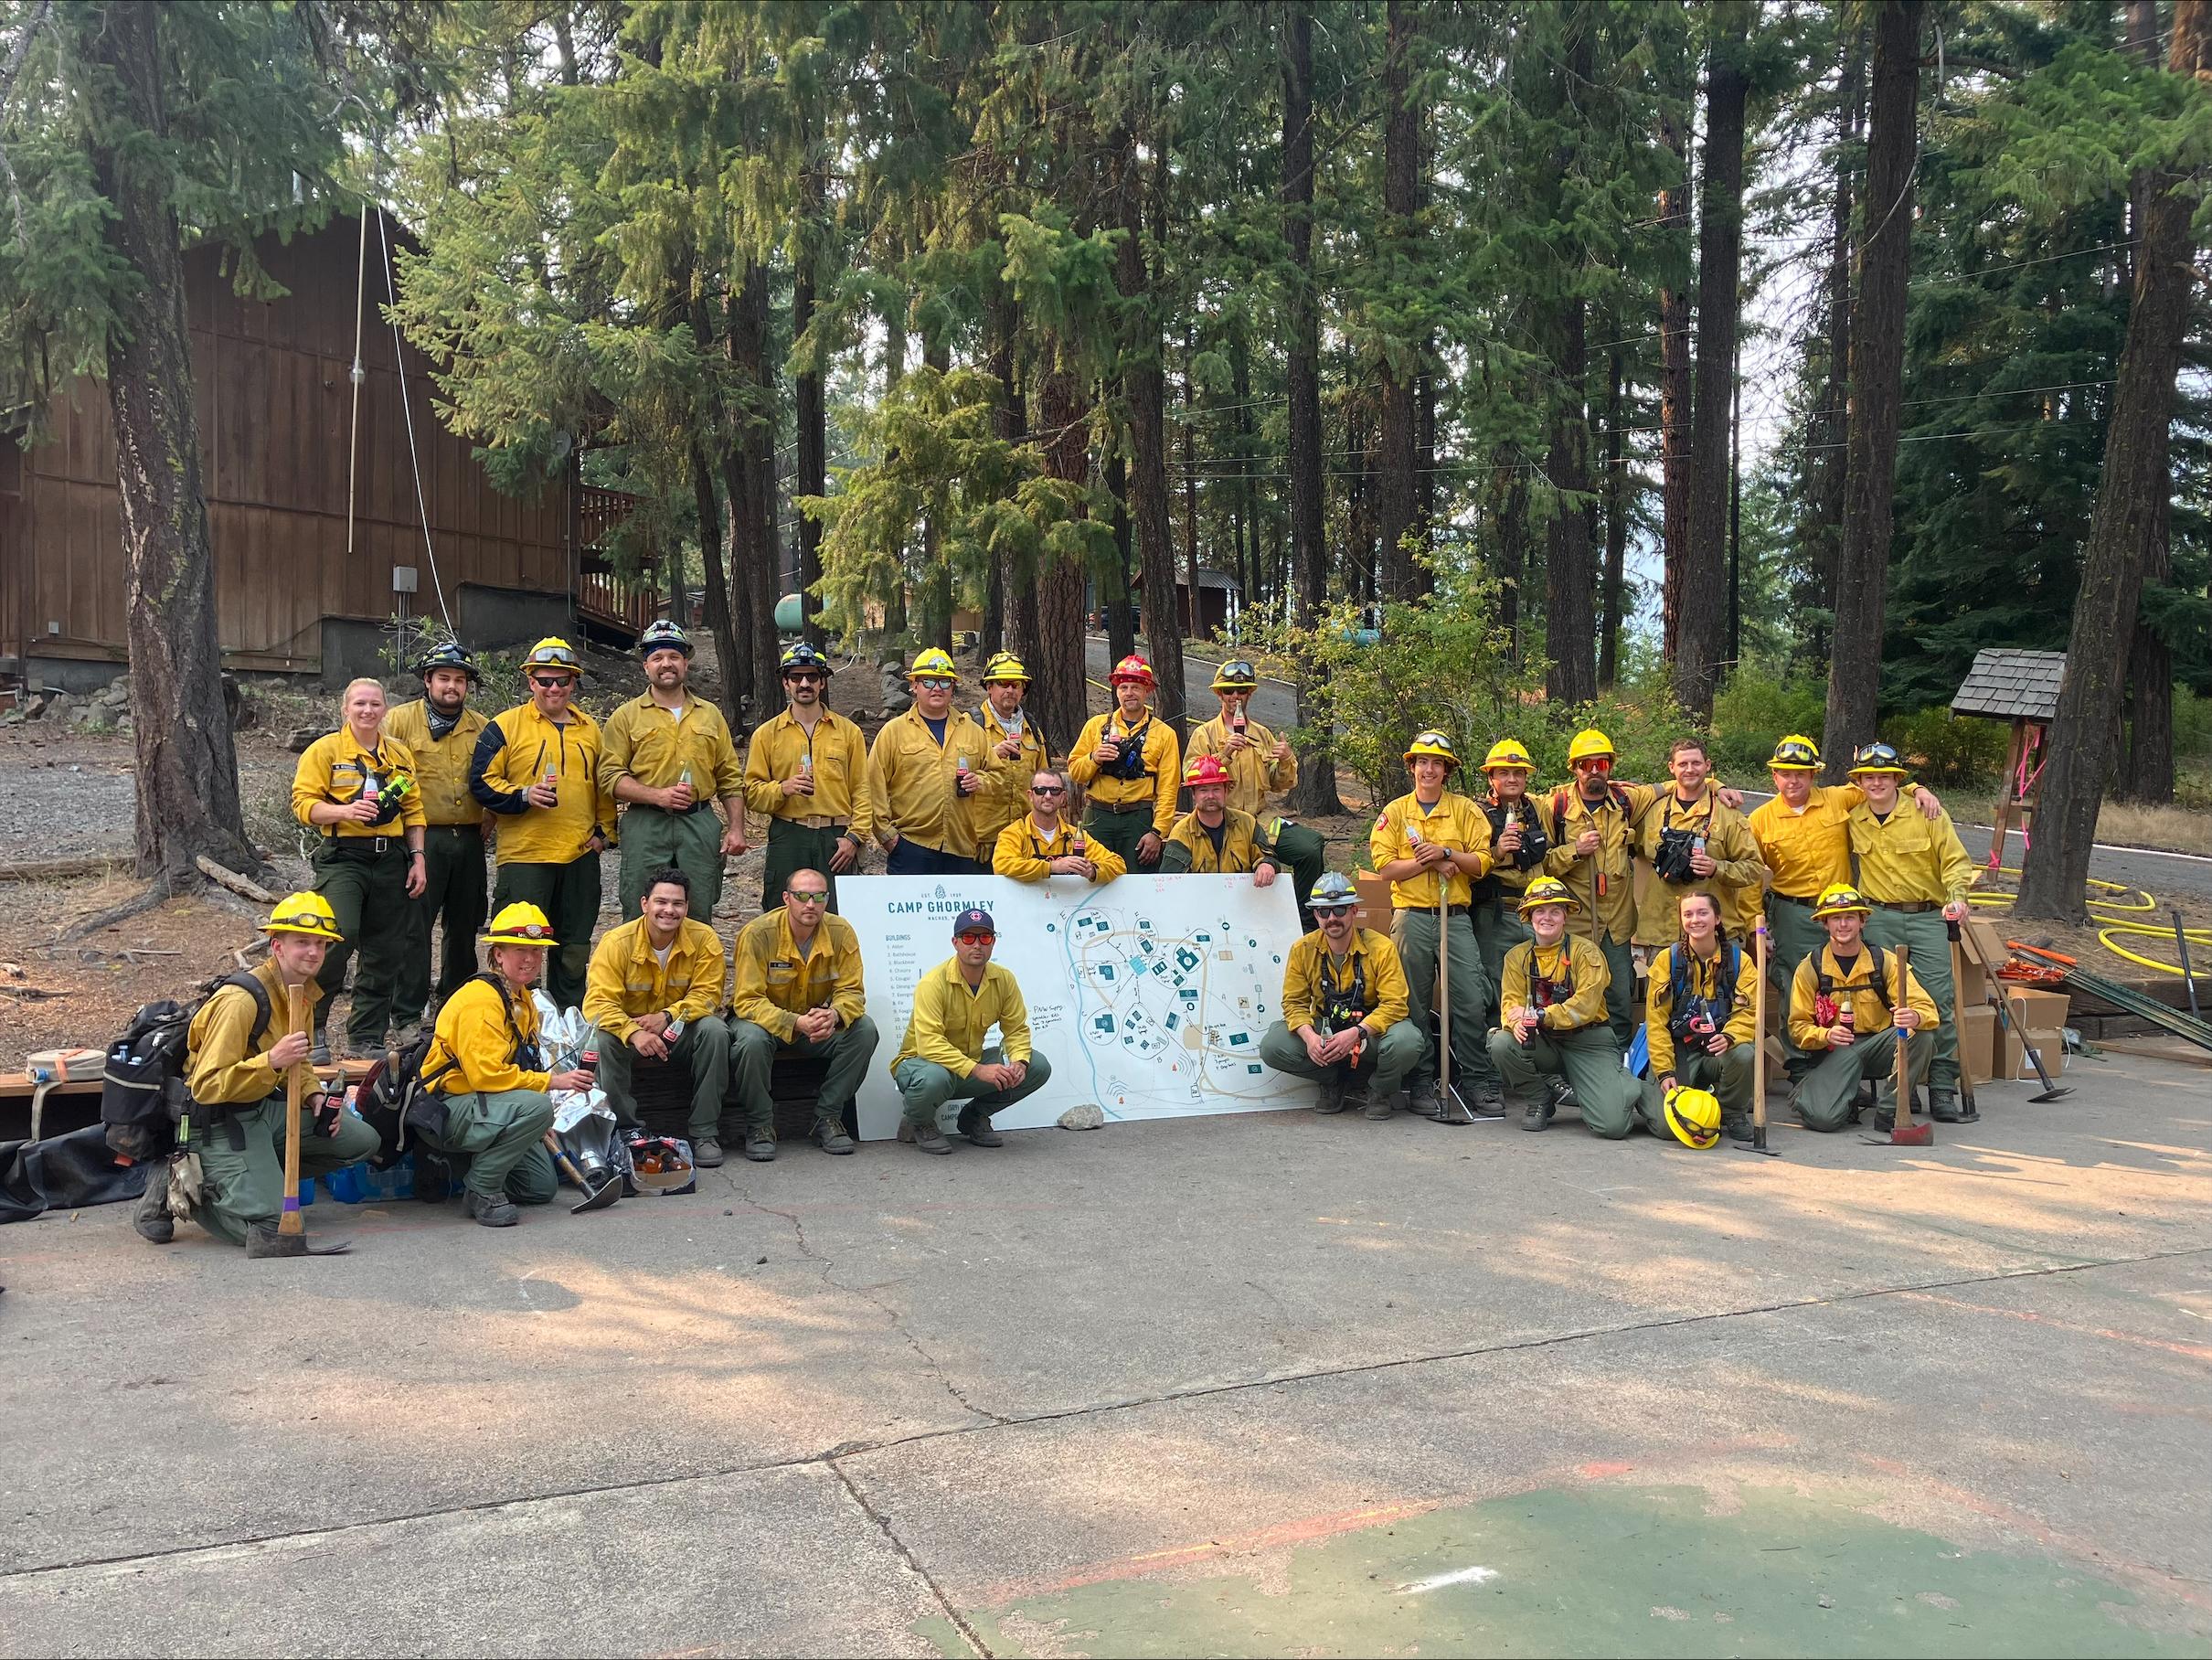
1190, 485
1008, 590
1144, 389
1315, 792
1614, 489
1702, 591
1826, 464
1674, 401
1121, 608
2132, 503
749, 479
936, 564
1394, 501
2147, 773
1878, 368
1570, 575
1510, 484
187, 760
727, 655
809, 408
1054, 650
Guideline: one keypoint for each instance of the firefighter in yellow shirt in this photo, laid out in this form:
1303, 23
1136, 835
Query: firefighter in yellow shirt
1553, 1010
441, 730
357, 787
1851, 1004
1915, 873
1426, 836
1017, 752
1214, 837
493, 1081
1259, 761
1130, 762
237, 1052
536, 765
943, 1057
1695, 841
1521, 834
926, 766
1593, 852
1044, 841
806, 771
1698, 1018
1344, 1009
665, 756
655, 991
800, 992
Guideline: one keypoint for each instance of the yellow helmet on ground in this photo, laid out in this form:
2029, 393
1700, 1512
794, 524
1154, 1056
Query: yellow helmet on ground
1005, 665
1235, 675
304, 913
933, 665
1436, 744
520, 923
553, 651
1694, 1115
1794, 753
1546, 890
1841, 900
1588, 744
1508, 752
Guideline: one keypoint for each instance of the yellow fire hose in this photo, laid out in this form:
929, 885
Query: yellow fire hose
2112, 925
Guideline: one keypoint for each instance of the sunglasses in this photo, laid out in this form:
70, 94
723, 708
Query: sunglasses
974, 938
1047, 789
820, 896
805, 677
1334, 910
550, 680
1595, 764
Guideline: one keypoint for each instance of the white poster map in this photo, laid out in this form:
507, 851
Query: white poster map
1148, 997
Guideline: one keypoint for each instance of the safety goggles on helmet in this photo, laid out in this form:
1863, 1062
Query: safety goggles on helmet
1005, 667
1840, 900
1546, 890
1694, 1115
1794, 753
803, 655
304, 913
446, 655
1237, 677
663, 636
1877, 758
1434, 745
553, 653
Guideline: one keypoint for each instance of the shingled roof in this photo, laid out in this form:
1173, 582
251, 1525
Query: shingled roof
2008, 685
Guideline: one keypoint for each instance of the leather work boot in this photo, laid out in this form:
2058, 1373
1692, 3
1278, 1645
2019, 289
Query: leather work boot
975, 1124
830, 1136
1380, 1107
491, 1209
760, 1147
1737, 1126
1333, 1092
1944, 1106
931, 1139
152, 1219
1489, 1097
707, 1152
1537, 1111
1423, 1098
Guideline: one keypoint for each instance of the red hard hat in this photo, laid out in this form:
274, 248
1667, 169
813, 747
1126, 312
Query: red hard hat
1206, 770
1131, 668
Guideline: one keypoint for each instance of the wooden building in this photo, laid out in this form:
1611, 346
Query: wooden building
276, 424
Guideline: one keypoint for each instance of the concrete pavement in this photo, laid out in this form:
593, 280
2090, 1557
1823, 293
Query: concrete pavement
1236, 1385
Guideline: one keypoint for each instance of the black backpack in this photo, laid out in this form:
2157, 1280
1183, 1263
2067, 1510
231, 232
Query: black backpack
143, 1093
1682, 1007
397, 1095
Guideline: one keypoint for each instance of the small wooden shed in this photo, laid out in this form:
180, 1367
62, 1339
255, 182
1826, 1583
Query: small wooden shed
2021, 686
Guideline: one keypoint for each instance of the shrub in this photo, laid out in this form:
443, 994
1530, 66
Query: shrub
1946, 751
1755, 709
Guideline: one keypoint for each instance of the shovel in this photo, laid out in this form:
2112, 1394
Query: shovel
290, 1239
1903, 1132
2052, 1092
605, 1195
1758, 1054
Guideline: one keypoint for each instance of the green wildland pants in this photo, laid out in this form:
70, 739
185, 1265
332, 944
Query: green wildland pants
1307, 855
1590, 1061
1121, 829
496, 1143
1388, 1058
1498, 929
245, 1187
925, 1087
1415, 934
702, 1048
454, 893
691, 841
794, 847
1825, 1097
1925, 936
1728, 1076
1791, 936
569, 894
754, 1050
367, 893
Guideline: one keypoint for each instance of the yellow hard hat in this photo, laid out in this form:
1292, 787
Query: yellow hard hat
1005, 665
933, 665
520, 923
1546, 890
1235, 675
1589, 744
304, 913
553, 651
1433, 743
1694, 1115
1794, 753
1507, 752
1841, 900
1877, 758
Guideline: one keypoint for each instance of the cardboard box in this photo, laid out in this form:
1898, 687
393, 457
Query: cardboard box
1978, 1043
2035, 1011
2049, 1045
1374, 900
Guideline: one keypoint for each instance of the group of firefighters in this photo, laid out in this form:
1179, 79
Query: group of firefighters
1518, 911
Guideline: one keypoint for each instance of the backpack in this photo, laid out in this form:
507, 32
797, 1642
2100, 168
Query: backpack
397, 1094
1682, 1007
143, 1093
1824, 984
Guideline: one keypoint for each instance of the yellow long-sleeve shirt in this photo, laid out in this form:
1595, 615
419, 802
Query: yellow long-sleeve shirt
442, 765
1906, 858
475, 1049
1155, 786
334, 767
516, 749
949, 1019
1454, 823
1738, 884
1528, 810
912, 778
224, 1066
1851, 984
1612, 911
1702, 981
1807, 852
775, 984
839, 754
627, 979
1575, 967
1005, 799
1371, 965
1252, 772
644, 742
1024, 852
1190, 848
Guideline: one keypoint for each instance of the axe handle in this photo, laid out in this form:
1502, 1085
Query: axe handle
1904, 1041
1758, 1030
566, 1165
295, 1091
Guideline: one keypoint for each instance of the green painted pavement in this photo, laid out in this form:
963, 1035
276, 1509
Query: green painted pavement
1609, 1570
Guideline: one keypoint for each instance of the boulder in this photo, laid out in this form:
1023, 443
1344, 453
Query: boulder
1084, 1115
299, 738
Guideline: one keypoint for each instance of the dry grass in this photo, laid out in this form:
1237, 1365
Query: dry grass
2175, 829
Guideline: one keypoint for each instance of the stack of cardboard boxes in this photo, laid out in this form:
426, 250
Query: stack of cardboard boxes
1986, 1050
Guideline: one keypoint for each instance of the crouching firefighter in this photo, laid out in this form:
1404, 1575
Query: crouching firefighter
1553, 1005
490, 1101
1345, 1007
1698, 1019
1851, 1004
239, 1049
